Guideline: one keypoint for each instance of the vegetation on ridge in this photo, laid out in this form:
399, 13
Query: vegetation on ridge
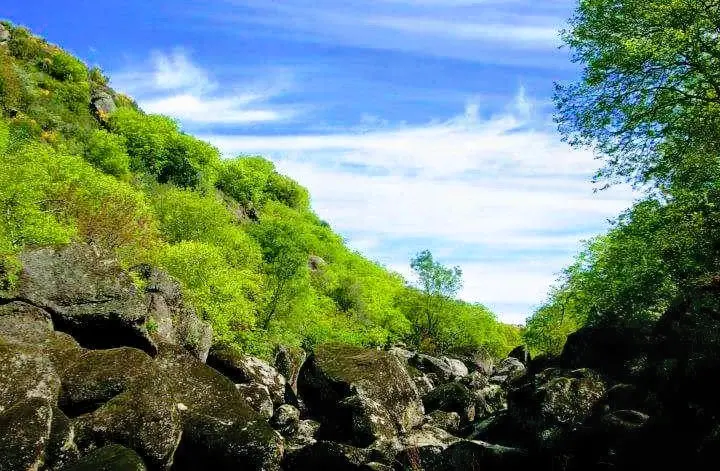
242, 239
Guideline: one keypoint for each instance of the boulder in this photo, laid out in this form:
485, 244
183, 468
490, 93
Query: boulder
286, 419
89, 296
218, 424
571, 399
522, 354
109, 458
437, 366
4, 34
176, 322
25, 372
458, 368
360, 395
102, 103
241, 368
508, 370
623, 422
305, 435
99, 375
401, 353
327, 455
449, 421
24, 323
423, 383
257, 397
475, 454
288, 361
452, 397
24, 434
605, 349
421, 448
489, 400
61, 448
145, 418
475, 380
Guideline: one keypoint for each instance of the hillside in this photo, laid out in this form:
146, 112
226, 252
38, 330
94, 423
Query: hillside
82, 163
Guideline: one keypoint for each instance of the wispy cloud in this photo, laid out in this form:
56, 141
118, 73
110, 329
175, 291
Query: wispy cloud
499, 194
172, 84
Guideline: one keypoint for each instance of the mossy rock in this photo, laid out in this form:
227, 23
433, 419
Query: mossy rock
61, 447
360, 394
327, 455
241, 368
452, 397
24, 323
99, 375
109, 458
218, 425
24, 434
26, 372
467, 454
145, 418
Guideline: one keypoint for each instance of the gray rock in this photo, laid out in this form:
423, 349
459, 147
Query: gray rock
401, 353
327, 455
421, 448
622, 422
61, 448
258, 397
360, 394
99, 375
102, 103
508, 370
522, 354
428, 364
241, 368
459, 370
109, 458
475, 380
24, 434
4, 34
571, 399
25, 372
489, 400
423, 383
219, 426
452, 397
449, 421
288, 361
144, 418
476, 454
286, 419
305, 435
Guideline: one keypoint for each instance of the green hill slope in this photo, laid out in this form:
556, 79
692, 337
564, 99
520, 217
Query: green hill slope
82, 162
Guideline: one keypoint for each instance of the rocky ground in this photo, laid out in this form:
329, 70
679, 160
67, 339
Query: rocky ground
102, 370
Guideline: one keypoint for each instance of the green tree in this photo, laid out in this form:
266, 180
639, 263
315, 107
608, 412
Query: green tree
438, 285
649, 95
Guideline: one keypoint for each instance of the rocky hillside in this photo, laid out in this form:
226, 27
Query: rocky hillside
87, 384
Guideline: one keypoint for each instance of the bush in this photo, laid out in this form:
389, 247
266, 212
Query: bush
107, 152
244, 179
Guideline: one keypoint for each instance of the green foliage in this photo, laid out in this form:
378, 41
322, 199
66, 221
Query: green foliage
244, 179
135, 185
107, 152
156, 145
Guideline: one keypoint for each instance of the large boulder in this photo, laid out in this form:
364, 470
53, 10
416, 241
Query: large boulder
257, 397
4, 34
360, 395
102, 103
522, 354
422, 447
286, 419
452, 397
327, 455
109, 458
218, 424
24, 434
288, 361
91, 297
241, 368
605, 349
25, 372
444, 369
476, 454
145, 418
508, 370
99, 375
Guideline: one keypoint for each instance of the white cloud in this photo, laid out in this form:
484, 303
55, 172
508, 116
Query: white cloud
468, 187
531, 36
171, 84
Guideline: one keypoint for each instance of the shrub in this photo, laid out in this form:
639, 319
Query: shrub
107, 152
245, 178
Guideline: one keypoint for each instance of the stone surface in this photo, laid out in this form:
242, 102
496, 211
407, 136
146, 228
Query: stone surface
449, 421
468, 455
109, 458
326, 455
24, 434
288, 361
258, 397
25, 372
522, 354
359, 394
61, 448
99, 375
452, 397
305, 435
286, 419
508, 370
241, 368
4, 34
421, 448
439, 367
102, 103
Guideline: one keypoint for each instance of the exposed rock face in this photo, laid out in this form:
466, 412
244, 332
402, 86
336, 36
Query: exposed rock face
109, 458
4, 34
452, 397
361, 395
26, 373
508, 370
441, 367
246, 369
288, 362
102, 103
24, 434
90, 297
286, 419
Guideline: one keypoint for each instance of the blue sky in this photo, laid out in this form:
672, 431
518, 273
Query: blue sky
414, 123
